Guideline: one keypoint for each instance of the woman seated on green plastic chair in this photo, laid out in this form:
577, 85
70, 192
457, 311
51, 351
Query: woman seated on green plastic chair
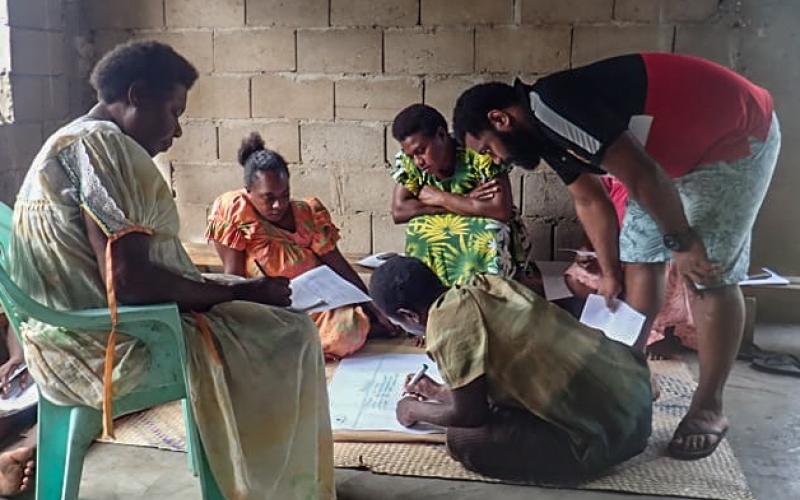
255, 370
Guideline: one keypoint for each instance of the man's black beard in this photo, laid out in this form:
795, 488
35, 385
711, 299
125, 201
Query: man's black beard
523, 148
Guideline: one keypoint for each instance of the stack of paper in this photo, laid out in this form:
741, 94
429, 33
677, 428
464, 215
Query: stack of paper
322, 289
377, 260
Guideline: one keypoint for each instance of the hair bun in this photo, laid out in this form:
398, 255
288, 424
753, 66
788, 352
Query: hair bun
250, 145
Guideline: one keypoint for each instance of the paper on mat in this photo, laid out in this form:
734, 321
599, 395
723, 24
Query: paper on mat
553, 279
365, 389
377, 260
321, 289
622, 325
772, 278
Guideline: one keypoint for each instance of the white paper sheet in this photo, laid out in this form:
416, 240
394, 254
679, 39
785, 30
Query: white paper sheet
21, 401
622, 325
553, 279
365, 390
579, 253
321, 289
377, 260
772, 278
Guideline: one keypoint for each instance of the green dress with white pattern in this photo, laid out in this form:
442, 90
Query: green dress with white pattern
457, 247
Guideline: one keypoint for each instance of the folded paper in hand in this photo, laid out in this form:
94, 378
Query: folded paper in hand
321, 289
622, 324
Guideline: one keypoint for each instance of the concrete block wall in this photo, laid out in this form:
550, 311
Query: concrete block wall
322, 79
34, 83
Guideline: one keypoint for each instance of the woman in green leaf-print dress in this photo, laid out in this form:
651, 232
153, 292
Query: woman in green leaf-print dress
458, 204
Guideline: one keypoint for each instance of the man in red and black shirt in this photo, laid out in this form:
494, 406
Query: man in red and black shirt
695, 145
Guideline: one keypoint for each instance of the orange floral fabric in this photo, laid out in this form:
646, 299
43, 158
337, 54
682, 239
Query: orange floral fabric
235, 223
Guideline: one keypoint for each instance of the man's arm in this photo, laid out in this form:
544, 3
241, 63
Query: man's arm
406, 206
649, 185
499, 207
139, 281
596, 213
469, 408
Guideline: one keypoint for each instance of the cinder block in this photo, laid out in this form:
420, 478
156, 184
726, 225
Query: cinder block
201, 13
27, 98
420, 51
219, 97
375, 98
41, 14
366, 190
355, 146
717, 42
339, 50
56, 98
35, 52
664, 10
442, 92
442, 12
12, 181
49, 127
566, 11
315, 182
545, 196
287, 12
19, 143
283, 137
386, 235
522, 49
374, 12
356, 233
195, 45
201, 183
592, 43
540, 235
124, 14
254, 50
392, 146
193, 219
197, 144
276, 96
515, 177
568, 234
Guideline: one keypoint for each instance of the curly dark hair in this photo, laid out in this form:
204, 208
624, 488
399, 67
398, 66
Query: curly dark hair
473, 106
154, 63
255, 157
404, 282
417, 118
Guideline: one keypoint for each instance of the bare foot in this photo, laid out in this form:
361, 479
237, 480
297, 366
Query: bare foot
16, 470
698, 435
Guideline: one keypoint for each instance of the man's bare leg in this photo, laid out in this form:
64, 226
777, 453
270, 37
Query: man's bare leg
644, 291
719, 317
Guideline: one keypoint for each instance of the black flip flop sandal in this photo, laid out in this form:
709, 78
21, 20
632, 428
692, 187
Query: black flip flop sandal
677, 452
781, 364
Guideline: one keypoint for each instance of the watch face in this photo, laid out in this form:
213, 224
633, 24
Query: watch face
671, 242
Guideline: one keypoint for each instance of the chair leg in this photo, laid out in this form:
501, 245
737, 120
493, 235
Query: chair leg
192, 439
65, 433
208, 485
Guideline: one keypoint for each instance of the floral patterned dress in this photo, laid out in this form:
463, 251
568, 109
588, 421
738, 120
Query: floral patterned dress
457, 247
236, 224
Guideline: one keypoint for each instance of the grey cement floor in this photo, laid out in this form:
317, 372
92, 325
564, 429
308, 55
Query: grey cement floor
764, 411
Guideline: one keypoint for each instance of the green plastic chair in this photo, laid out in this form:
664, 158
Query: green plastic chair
65, 432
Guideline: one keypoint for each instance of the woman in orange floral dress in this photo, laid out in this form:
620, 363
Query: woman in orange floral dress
261, 227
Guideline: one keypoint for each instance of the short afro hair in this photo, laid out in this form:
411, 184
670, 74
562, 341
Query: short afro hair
417, 118
154, 63
404, 283
473, 106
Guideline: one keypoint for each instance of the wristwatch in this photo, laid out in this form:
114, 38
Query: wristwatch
680, 242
